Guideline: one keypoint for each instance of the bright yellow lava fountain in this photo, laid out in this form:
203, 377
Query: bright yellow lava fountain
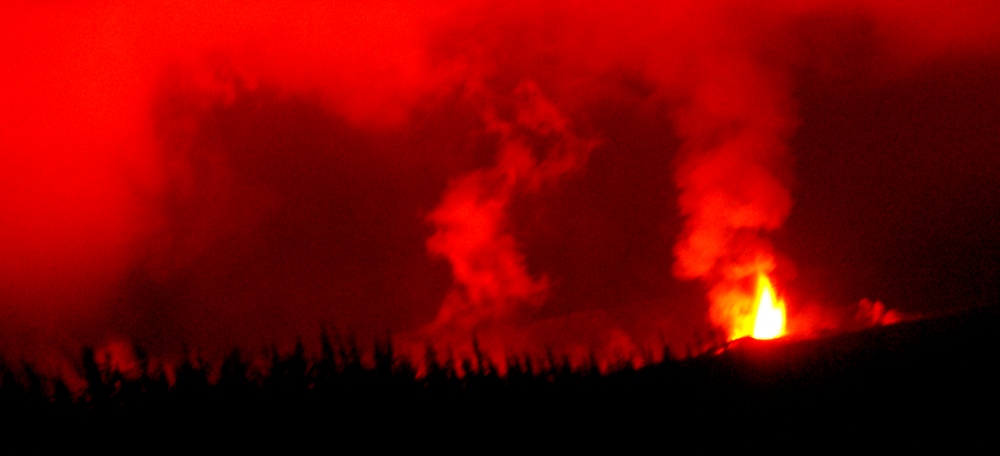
769, 317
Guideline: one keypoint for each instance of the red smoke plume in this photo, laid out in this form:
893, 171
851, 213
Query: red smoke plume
735, 123
472, 227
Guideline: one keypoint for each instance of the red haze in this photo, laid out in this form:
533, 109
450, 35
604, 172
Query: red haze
542, 175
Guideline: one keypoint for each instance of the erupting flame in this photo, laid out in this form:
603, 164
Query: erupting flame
769, 312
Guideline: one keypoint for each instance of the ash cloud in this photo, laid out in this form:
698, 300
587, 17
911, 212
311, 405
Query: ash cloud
182, 173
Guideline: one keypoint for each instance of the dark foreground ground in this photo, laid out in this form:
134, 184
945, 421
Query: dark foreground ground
910, 380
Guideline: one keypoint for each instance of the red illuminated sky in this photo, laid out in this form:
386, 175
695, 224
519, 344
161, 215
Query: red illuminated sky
568, 174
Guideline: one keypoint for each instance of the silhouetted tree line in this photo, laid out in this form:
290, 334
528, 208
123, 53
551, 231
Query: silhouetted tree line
906, 371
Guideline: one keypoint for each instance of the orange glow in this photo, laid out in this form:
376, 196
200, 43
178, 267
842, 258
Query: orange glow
769, 311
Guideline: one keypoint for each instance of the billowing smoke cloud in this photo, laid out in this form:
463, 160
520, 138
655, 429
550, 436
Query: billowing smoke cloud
180, 172
107, 175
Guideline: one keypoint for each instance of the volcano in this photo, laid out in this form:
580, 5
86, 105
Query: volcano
925, 369
486, 216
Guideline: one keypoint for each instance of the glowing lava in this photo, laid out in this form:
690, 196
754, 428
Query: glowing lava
769, 314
